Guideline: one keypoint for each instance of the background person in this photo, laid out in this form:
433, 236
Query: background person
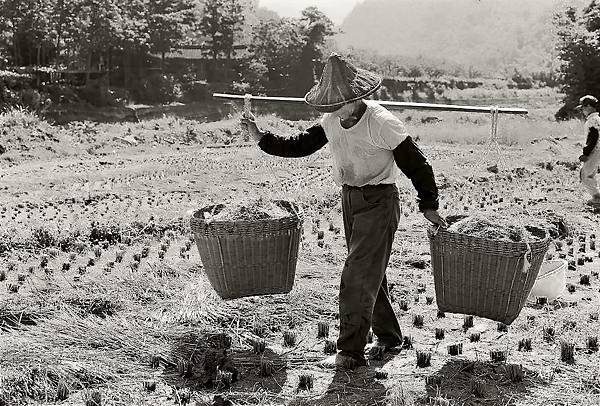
591, 153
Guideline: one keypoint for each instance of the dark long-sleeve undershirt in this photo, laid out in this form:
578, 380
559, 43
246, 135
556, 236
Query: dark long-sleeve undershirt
306, 143
592, 140
413, 163
409, 158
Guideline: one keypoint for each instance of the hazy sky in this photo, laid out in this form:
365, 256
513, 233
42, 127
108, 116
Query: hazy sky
334, 9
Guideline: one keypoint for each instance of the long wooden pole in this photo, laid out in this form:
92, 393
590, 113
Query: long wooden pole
392, 104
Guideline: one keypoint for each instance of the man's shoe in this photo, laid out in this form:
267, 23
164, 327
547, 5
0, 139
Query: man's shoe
340, 361
388, 345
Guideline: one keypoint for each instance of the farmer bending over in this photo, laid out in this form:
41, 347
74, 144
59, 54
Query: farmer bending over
368, 145
591, 152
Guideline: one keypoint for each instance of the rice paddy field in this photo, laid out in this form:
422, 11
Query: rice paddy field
104, 298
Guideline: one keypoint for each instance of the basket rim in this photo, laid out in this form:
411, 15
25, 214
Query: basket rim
298, 215
431, 231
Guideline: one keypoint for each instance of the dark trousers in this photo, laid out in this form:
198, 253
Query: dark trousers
371, 216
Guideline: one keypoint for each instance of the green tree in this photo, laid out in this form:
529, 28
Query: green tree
316, 27
220, 22
28, 23
579, 51
277, 44
168, 23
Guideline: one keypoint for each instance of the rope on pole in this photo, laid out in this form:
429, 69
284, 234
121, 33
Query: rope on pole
392, 104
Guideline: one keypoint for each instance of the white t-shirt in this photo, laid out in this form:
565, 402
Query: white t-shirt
362, 154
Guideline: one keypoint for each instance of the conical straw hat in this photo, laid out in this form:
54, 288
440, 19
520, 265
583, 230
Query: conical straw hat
341, 83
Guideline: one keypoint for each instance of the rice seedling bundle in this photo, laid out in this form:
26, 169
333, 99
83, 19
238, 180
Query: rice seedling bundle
548, 333
305, 382
498, 355
423, 359
455, 349
567, 352
592, 343
266, 367
514, 373
289, 338
330, 347
322, 329
467, 322
433, 381
440, 333
150, 386
525, 344
479, 388
259, 346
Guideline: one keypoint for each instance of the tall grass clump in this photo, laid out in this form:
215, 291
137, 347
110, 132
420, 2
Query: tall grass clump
18, 117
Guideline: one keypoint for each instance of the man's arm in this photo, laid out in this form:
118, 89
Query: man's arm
414, 165
592, 140
308, 142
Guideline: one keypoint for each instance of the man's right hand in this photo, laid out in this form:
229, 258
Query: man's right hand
248, 124
583, 158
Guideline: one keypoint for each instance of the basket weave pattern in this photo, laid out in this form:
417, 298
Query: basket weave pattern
482, 277
249, 258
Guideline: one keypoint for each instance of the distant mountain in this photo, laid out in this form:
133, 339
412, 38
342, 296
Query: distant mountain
489, 35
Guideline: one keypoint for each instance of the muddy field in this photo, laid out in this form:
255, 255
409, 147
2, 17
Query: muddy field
103, 294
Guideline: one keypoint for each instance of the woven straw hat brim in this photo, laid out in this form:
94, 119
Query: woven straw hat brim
341, 83
330, 108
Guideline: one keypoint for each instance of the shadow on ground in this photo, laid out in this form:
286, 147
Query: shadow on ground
205, 363
359, 387
480, 383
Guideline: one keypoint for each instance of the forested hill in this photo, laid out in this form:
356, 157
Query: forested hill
489, 35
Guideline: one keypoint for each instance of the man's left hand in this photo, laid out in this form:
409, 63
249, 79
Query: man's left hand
583, 158
435, 218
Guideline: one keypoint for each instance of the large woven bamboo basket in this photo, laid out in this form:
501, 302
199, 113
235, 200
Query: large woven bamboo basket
249, 258
482, 277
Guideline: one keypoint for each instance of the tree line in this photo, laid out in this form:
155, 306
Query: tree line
122, 35
282, 56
